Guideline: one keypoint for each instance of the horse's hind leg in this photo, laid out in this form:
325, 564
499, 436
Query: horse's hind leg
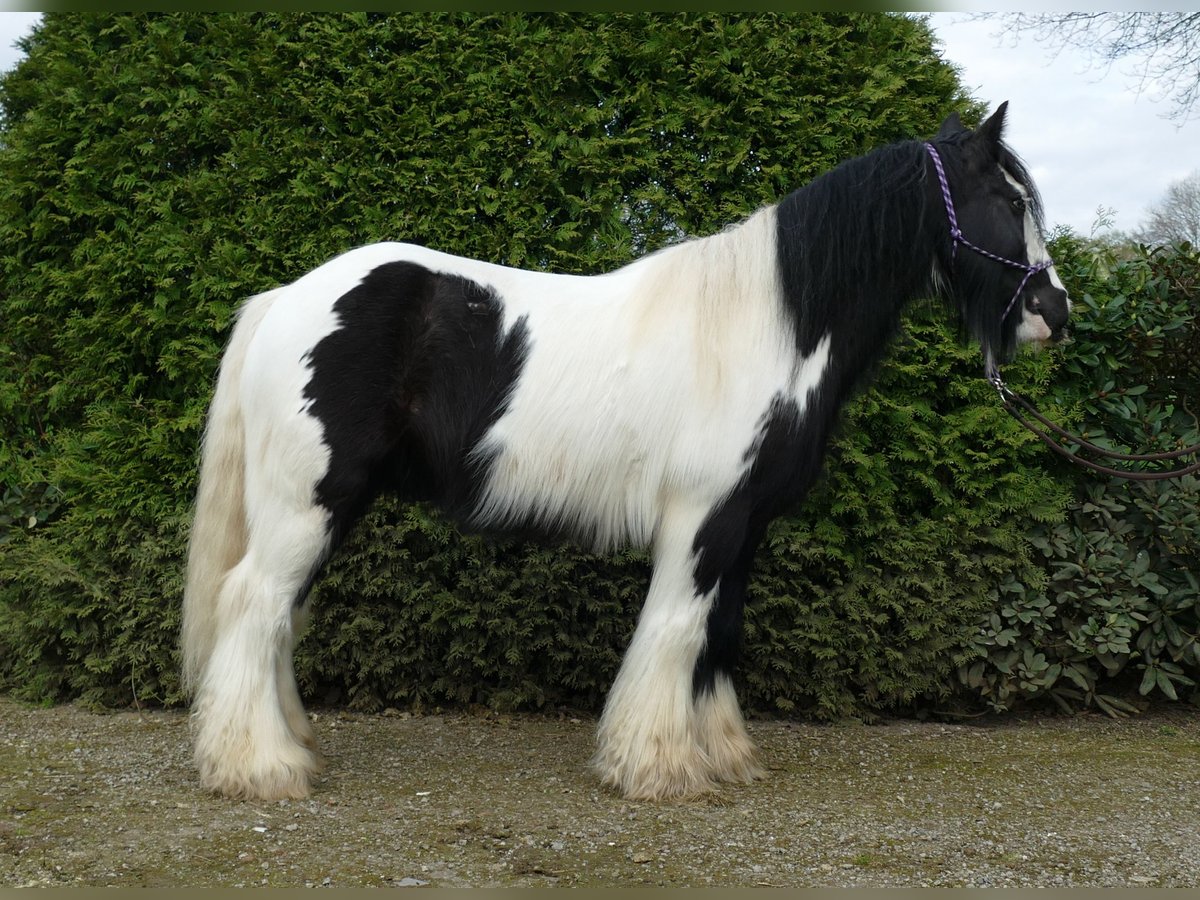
253, 739
289, 692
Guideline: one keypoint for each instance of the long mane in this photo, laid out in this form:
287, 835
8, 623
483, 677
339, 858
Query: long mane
855, 245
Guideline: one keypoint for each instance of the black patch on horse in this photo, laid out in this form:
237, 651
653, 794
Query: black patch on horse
408, 384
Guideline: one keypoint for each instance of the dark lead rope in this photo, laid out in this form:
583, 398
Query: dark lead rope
1012, 400
1014, 403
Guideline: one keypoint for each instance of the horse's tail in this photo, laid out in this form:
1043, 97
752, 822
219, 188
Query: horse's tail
219, 528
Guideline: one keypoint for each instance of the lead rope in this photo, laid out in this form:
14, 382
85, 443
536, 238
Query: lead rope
1011, 400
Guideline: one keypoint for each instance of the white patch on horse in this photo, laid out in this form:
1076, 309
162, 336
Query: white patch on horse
594, 443
1033, 328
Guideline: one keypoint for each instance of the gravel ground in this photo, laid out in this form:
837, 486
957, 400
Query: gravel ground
482, 799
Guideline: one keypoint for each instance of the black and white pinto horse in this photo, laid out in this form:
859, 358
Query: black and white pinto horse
681, 402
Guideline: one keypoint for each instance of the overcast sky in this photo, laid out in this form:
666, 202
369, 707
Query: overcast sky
1089, 138
12, 26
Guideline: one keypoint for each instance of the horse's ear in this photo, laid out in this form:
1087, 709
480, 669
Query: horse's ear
952, 125
992, 130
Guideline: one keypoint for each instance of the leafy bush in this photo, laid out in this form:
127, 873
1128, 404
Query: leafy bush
1119, 608
155, 169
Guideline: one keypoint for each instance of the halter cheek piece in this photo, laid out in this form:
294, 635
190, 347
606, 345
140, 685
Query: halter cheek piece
957, 238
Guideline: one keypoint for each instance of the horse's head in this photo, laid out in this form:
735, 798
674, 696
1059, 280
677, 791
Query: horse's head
995, 261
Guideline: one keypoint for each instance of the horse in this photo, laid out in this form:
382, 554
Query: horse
680, 402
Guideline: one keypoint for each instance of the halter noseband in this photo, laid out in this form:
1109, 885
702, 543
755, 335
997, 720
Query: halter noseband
957, 237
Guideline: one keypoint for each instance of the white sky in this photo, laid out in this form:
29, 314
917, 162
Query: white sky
1088, 137
12, 26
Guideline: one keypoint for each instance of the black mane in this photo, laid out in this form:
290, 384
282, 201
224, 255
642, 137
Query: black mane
855, 245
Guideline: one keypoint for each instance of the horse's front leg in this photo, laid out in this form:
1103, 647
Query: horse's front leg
654, 744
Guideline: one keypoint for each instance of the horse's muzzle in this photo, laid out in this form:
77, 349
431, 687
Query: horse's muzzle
1054, 307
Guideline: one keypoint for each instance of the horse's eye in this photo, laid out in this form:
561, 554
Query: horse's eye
1020, 205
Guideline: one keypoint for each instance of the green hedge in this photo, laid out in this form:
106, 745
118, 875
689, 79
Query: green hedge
155, 170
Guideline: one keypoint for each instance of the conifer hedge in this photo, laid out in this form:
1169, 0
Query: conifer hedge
157, 169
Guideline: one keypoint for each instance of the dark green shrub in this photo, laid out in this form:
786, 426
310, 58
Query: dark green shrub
1118, 610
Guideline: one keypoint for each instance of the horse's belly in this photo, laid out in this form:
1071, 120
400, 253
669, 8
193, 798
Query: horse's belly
596, 447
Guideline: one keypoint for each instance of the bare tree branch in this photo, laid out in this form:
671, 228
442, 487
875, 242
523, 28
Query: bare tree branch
1176, 217
1163, 46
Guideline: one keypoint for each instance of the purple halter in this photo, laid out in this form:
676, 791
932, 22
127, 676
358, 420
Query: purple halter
956, 236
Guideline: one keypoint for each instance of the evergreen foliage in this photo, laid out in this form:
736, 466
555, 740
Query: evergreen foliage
157, 169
